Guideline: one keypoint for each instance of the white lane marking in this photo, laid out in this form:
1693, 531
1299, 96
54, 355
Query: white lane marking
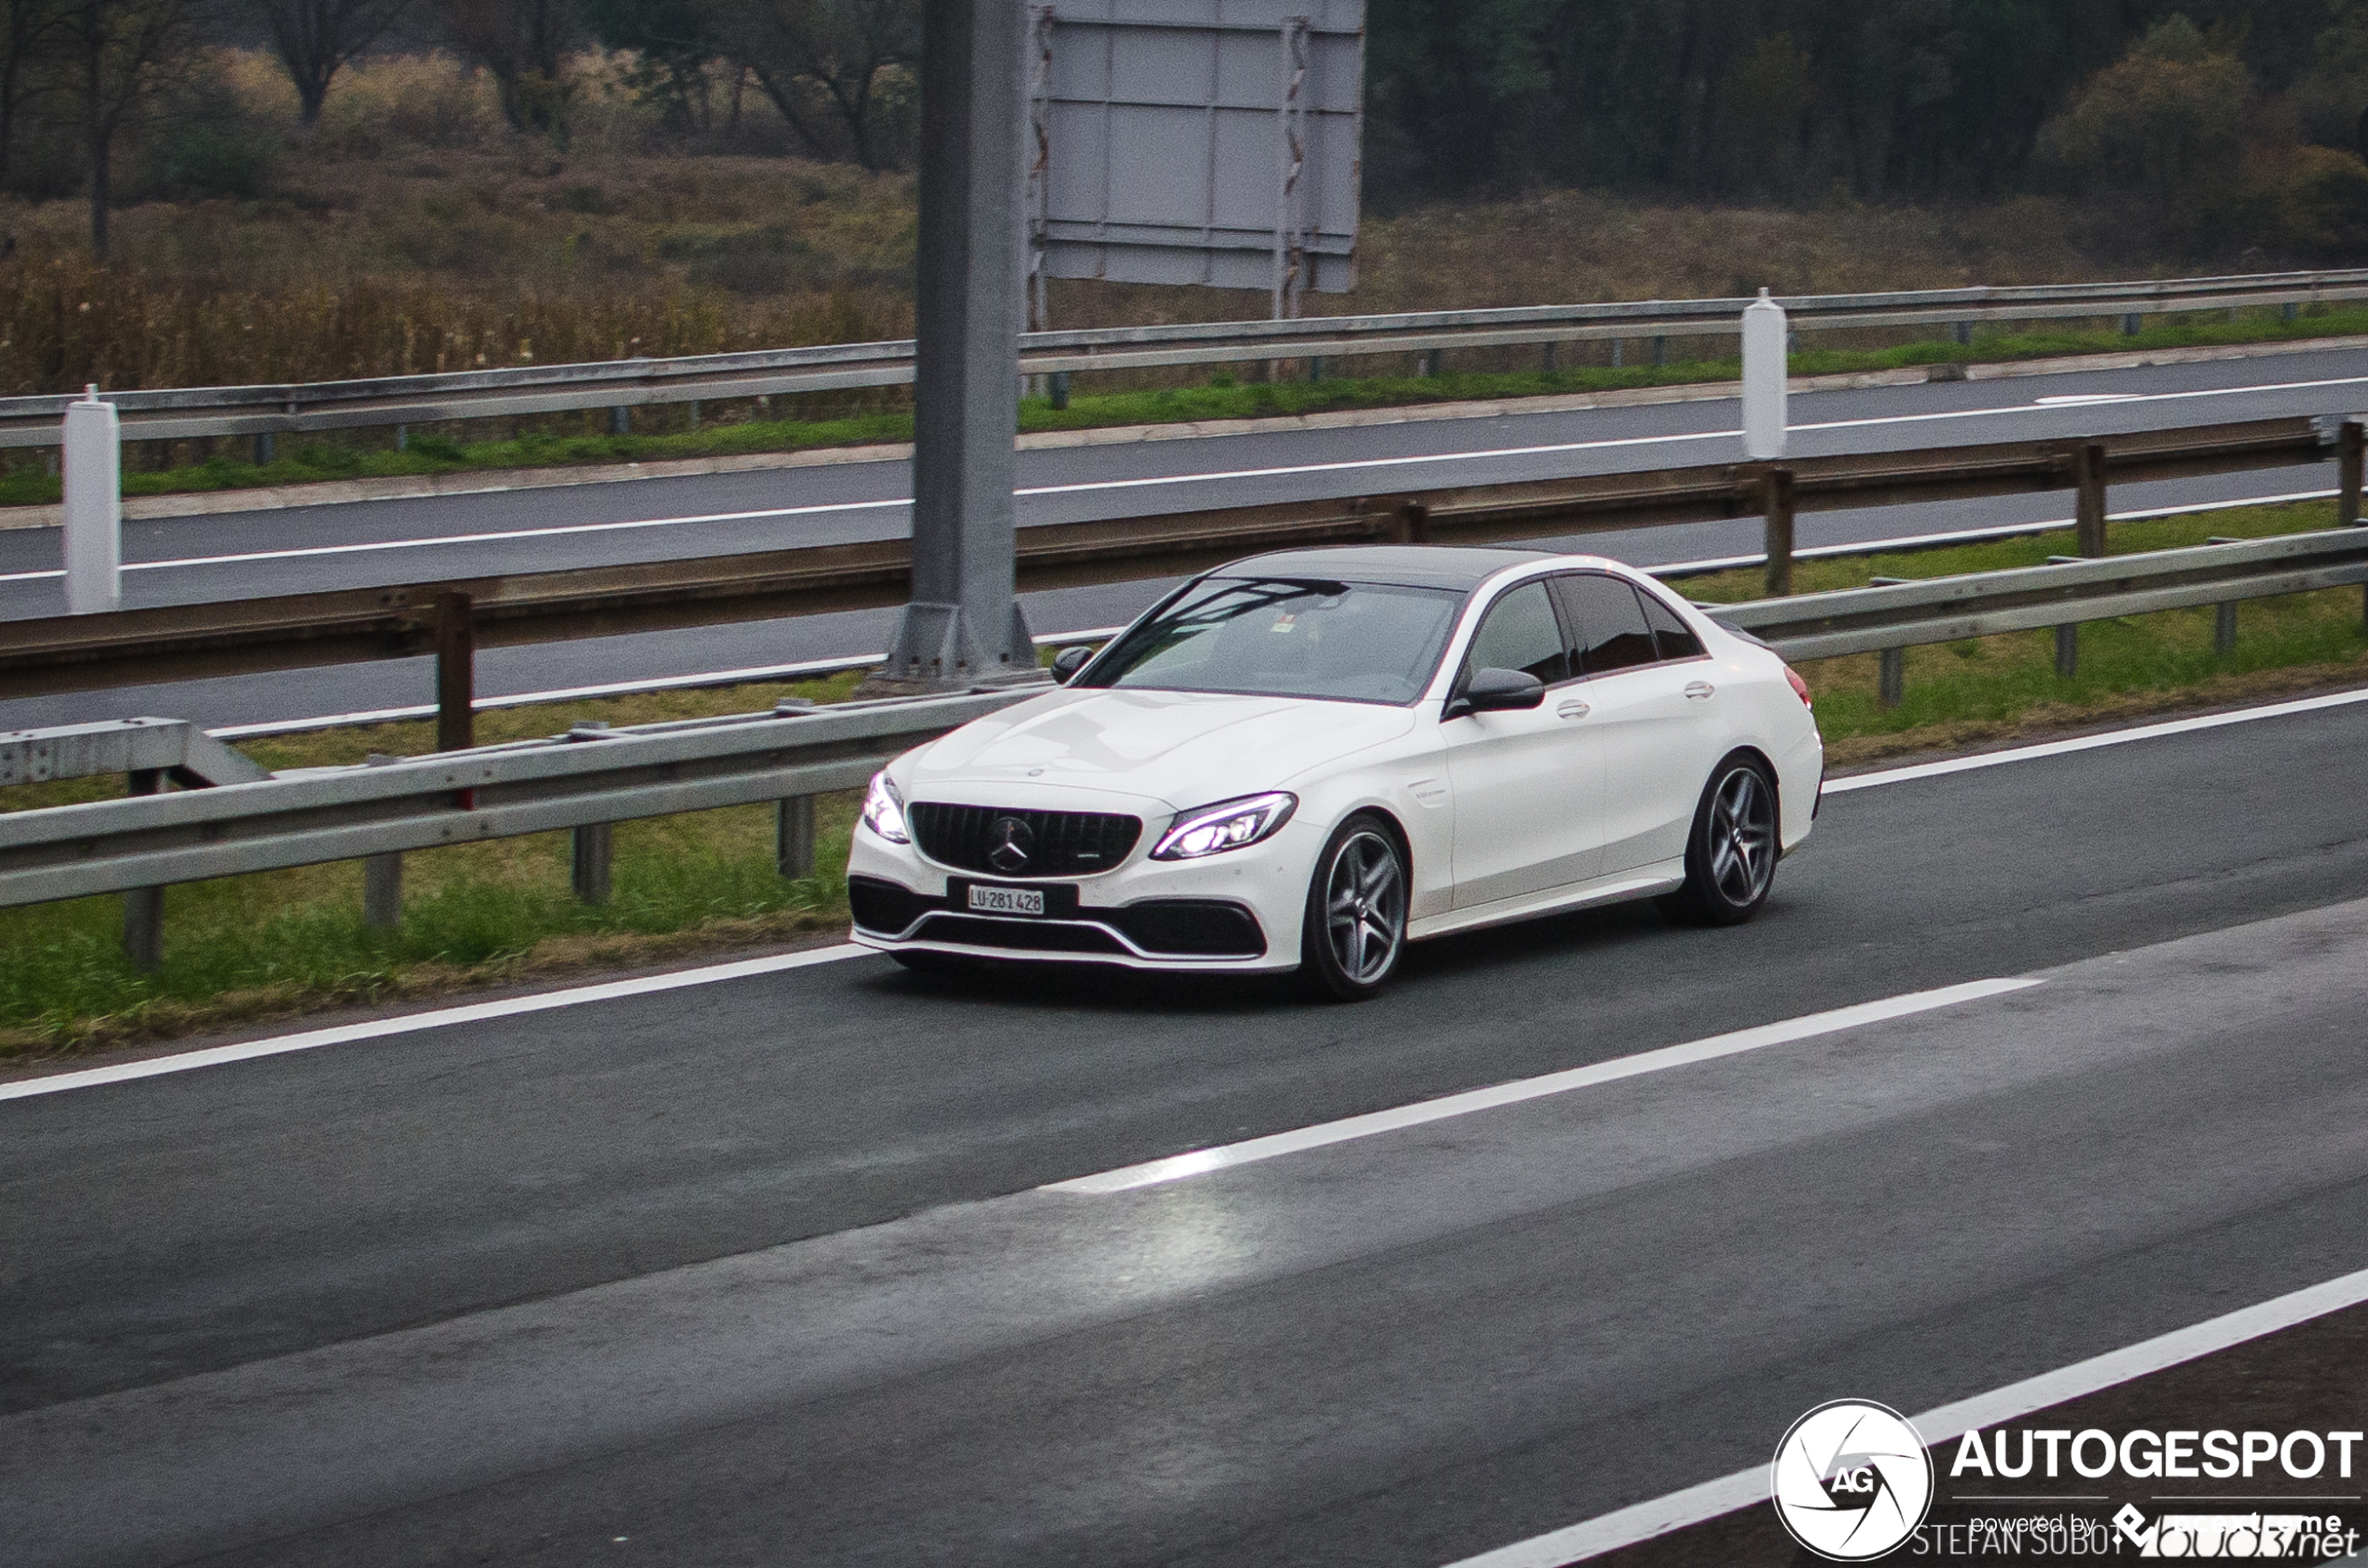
1696, 1505
2082, 400
2094, 742
381, 1028
1287, 471
499, 536
1227, 1156
758, 673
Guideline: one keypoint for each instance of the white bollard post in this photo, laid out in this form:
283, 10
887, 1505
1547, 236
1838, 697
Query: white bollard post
1763, 367
94, 506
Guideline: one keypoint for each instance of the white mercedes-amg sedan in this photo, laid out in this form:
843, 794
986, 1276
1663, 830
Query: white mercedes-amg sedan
1308, 759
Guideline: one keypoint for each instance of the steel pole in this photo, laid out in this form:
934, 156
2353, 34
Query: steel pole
963, 624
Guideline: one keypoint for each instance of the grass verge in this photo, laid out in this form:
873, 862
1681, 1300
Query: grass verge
283, 942
1223, 398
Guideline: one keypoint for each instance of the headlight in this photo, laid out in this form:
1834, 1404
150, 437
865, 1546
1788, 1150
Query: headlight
1215, 829
884, 810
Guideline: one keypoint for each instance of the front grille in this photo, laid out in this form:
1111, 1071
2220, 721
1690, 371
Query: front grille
1018, 936
1058, 843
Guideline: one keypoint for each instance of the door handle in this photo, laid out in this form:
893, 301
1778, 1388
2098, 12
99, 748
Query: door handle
1572, 711
1699, 690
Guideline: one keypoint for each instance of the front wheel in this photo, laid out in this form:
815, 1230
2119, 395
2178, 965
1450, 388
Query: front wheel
1730, 854
1355, 924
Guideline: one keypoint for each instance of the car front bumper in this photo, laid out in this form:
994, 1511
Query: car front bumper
1237, 912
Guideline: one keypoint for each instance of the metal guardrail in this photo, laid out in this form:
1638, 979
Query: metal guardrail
1951, 609
182, 413
84, 653
591, 777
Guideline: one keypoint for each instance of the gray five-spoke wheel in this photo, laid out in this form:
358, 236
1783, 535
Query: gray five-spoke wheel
1365, 906
1743, 836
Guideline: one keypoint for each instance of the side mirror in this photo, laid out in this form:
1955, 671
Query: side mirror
1068, 661
1497, 691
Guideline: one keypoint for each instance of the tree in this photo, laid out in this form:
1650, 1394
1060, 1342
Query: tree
523, 44
843, 51
315, 39
672, 47
118, 54
2162, 132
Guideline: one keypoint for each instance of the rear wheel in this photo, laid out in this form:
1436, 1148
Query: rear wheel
1355, 924
1730, 854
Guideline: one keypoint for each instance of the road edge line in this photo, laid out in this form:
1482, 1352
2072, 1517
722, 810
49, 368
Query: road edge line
1699, 1505
418, 1022
2094, 742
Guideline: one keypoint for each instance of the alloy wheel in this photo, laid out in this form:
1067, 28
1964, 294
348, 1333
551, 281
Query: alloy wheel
1365, 906
1742, 837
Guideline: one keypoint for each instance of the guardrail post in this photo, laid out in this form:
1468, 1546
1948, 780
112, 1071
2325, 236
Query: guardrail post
456, 678
1661, 353
1964, 334
94, 506
2067, 651
263, 449
1316, 367
1056, 389
381, 875
620, 421
2351, 446
2089, 519
1890, 678
2132, 324
1763, 371
1432, 362
1547, 358
2224, 628
144, 907
1776, 500
963, 624
1413, 525
592, 855
793, 837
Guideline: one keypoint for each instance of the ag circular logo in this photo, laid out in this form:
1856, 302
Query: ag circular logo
1014, 840
1851, 1480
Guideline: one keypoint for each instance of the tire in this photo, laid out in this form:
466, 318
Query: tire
1354, 931
1733, 849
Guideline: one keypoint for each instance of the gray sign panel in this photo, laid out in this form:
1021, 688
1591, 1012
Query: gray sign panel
1209, 141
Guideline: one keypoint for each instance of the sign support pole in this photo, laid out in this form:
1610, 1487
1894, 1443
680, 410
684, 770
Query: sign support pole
963, 626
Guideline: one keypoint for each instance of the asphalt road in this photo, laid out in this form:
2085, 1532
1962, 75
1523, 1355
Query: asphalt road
307, 548
756, 1270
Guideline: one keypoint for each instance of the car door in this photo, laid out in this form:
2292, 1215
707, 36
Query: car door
1528, 783
1649, 715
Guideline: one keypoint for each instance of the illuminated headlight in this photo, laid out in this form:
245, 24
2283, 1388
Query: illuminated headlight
1229, 826
884, 810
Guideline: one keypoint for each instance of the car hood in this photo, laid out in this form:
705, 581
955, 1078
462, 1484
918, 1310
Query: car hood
1185, 748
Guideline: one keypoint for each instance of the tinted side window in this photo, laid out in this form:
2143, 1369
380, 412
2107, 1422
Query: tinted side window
1607, 626
1677, 639
1519, 633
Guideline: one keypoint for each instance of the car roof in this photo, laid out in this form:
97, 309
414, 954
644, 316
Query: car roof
1404, 566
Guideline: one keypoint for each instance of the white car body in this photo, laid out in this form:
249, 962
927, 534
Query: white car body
1587, 798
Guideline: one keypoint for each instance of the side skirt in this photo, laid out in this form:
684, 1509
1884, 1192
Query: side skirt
1667, 876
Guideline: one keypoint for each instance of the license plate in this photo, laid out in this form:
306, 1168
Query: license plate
1008, 900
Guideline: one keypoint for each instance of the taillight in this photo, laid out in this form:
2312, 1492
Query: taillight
1800, 687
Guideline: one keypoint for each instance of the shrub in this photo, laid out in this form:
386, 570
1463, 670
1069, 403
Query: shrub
2322, 205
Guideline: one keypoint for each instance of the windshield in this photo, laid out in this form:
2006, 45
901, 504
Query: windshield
1355, 641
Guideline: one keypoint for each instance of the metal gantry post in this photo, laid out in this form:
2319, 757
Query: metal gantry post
963, 624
